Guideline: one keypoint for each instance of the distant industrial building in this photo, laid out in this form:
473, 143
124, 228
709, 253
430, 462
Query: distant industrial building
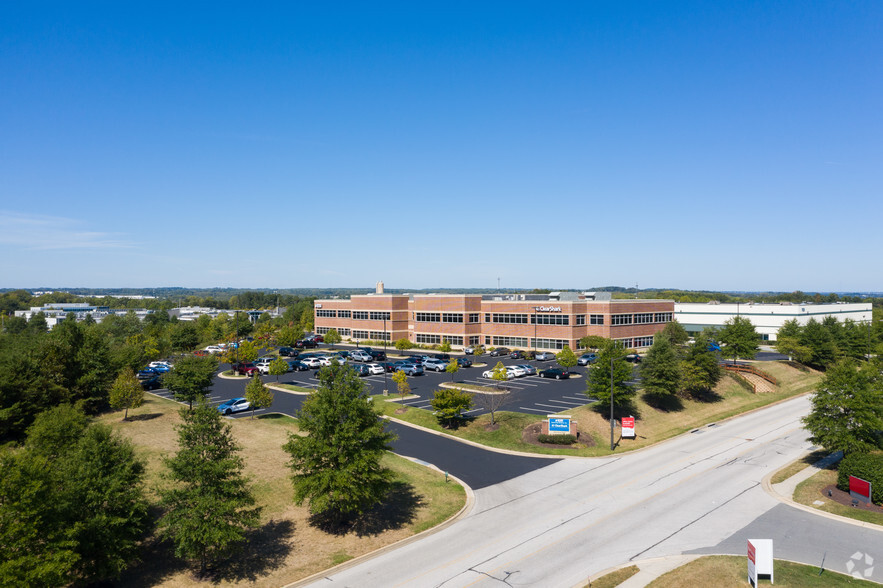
58, 311
766, 318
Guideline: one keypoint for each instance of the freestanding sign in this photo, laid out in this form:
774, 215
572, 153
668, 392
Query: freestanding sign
559, 425
760, 560
860, 489
628, 427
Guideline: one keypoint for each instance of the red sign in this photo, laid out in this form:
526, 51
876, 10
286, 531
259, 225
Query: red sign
751, 552
860, 487
628, 422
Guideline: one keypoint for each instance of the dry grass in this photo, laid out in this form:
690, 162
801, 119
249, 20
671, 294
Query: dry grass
798, 466
287, 547
725, 571
614, 579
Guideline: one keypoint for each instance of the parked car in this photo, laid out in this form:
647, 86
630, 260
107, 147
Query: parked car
436, 365
411, 369
214, 349
360, 355
316, 338
376, 369
529, 370
361, 369
343, 353
378, 354
201, 353
500, 351
388, 366
288, 352
246, 368
557, 373
297, 366
312, 362
587, 358
518, 354
489, 374
464, 362
160, 366
517, 371
469, 350
305, 343
234, 405
633, 358
545, 356
442, 356
153, 383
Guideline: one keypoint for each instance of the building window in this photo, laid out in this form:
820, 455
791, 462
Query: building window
322, 330
344, 332
642, 341
452, 317
663, 317
548, 343
626, 343
644, 318
360, 315
428, 317
453, 340
361, 334
343, 314
487, 340
379, 336
326, 313
509, 318
428, 339
379, 316
621, 319
474, 317
510, 341
596, 319
580, 319
487, 317
475, 340
549, 319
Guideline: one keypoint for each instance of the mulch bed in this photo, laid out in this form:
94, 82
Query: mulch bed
841, 497
531, 433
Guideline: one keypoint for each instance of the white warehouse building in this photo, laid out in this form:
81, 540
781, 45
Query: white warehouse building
766, 318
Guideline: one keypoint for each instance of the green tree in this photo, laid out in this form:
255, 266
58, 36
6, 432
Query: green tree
210, 505
592, 342
332, 337
598, 380
183, 336
404, 388
126, 392
403, 344
257, 394
661, 369
846, 410
191, 379
453, 367
278, 367
449, 404
566, 358
337, 463
445, 346
700, 369
792, 347
739, 339
675, 332
821, 343
499, 374
288, 336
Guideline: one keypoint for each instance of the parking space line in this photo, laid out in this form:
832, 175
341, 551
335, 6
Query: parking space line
549, 405
567, 402
533, 409
576, 397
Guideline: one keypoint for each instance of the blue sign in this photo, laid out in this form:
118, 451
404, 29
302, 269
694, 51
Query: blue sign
559, 424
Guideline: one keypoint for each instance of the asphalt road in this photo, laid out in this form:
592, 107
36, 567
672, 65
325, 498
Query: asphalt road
560, 524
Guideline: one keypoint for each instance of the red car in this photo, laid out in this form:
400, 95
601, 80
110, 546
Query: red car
245, 368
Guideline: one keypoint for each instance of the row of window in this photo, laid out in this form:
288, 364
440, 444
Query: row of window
441, 317
371, 335
636, 342
506, 341
505, 318
341, 332
548, 343
643, 318
437, 339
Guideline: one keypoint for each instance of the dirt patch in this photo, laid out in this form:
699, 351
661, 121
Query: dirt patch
839, 496
490, 427
402, 410
531, 434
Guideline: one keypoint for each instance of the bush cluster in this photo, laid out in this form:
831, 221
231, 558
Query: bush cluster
557, 439
867, 466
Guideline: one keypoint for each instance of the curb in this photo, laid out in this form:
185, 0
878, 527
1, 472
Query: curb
465, 510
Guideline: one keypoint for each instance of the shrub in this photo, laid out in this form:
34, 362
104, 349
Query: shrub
557, 439
867, 466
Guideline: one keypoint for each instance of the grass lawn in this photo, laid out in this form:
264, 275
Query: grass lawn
798, 466
810, 491
614, 579
653, 423
291, 387
724, 571
286, 547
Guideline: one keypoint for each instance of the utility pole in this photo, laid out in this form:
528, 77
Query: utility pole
611, 404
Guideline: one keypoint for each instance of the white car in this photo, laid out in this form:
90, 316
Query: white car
214, 349
490, 375
160, 364
360, 355
516, 370
313, 362
434, 364
375, 369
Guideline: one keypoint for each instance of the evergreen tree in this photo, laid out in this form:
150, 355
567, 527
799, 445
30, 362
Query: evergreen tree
820, 342
739, 339
661, 370
210, 505
598, 382
126, 392
675, 332
337, 463
192, 378
449, 404
847, 414
700, 369
257, 394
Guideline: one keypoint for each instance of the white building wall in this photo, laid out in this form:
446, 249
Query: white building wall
766, 318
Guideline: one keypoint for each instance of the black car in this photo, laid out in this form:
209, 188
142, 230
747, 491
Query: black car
442, 356
557, 373
378, 354
288, 352
500, 351
305, 343
388, 366
464, 362
519, 354
152, 383
633, 357
297, 366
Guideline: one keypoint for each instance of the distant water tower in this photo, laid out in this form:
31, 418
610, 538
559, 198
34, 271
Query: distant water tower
378, 289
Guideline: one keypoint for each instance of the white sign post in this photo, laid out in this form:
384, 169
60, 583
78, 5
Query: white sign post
760, 560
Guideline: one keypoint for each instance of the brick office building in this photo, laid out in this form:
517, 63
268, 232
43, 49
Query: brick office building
521, 321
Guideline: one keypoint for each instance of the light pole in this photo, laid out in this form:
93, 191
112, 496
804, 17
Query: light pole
611, 403
385, 335
534, 333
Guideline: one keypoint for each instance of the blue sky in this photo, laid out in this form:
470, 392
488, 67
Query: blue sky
699, 145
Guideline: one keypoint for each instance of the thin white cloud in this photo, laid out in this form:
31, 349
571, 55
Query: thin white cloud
43, 232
